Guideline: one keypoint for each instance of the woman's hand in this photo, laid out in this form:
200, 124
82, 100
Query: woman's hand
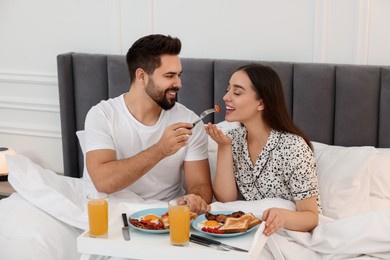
217, 135
303, 219
275, 219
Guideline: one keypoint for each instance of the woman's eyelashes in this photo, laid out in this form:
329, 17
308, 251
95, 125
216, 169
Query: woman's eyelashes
236, 93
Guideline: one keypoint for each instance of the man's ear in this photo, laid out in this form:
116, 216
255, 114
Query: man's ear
141, 75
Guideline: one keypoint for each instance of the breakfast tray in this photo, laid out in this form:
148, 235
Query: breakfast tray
157, 246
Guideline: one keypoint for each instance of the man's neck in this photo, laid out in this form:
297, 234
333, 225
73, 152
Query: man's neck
142, 107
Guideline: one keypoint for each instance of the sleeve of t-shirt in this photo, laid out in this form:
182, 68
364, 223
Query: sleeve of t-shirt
97, 132
197, 145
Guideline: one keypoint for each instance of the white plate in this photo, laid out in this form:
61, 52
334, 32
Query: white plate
156, 211
202, 217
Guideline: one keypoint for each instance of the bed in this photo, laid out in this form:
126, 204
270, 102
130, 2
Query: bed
344, 109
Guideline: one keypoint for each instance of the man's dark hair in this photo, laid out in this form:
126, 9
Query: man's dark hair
145, 52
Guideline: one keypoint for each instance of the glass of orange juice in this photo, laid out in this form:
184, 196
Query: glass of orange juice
179, 222
98, 214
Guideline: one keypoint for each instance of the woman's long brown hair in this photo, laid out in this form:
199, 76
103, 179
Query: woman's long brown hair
268, 87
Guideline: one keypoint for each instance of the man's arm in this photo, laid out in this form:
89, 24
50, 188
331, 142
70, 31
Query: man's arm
110, 175
198, 181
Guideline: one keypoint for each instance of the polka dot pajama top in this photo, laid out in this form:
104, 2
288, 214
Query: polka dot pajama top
285, 168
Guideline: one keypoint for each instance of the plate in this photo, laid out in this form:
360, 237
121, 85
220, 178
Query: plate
202, 217
156, 211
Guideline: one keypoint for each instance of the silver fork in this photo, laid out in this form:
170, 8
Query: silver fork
204, 114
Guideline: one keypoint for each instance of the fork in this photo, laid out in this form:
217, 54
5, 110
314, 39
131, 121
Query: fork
205, 113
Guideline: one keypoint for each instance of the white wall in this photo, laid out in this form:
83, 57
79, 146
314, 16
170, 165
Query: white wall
33, 33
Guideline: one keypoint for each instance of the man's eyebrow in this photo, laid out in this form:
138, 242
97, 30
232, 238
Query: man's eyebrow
172, 73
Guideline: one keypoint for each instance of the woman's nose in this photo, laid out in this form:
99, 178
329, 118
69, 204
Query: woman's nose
226, 97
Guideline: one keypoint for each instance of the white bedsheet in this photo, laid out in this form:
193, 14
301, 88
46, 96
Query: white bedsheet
27, 232
49, 212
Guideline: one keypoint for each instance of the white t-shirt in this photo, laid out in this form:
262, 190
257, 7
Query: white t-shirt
109, 125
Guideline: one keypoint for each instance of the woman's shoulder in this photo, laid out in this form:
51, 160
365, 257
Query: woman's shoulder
293, 141
291, 137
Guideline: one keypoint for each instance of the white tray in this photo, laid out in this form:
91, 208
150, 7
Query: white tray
157, 246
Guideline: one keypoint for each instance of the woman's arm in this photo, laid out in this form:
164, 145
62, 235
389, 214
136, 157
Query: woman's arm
304, 219
224, 185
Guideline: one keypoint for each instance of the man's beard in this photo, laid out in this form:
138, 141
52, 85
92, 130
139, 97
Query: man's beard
160, 97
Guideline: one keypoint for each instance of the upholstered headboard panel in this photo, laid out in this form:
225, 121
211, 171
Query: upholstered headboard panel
346, 105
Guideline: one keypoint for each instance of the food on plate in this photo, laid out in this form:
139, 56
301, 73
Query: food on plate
233, 225
193, 215
222, 217
217, 109
165, 220
154, 222
241, 224
150, 221
253, 220
209, 224
228, 223
150, 217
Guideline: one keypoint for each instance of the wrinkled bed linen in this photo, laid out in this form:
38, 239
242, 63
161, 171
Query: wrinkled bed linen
27, 232
48, 206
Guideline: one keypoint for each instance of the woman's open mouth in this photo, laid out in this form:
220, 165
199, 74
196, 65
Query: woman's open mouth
229, 109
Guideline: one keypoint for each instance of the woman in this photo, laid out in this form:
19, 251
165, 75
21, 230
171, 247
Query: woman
268, 156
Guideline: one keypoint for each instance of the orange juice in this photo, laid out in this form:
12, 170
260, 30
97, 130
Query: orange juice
98, 215
179, 224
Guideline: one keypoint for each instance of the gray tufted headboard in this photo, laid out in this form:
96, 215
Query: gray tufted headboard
346, 105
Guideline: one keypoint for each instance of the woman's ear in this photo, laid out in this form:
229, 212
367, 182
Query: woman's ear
260, 106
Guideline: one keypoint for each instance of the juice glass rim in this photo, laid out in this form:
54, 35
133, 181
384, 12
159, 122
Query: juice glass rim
97, 196
179, 202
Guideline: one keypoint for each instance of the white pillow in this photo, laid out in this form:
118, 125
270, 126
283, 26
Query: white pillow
81, 136
343, 178
213, 147
380, 176
226, 126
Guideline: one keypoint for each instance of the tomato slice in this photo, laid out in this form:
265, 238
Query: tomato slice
212, 230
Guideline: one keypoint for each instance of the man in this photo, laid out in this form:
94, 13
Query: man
142, 140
